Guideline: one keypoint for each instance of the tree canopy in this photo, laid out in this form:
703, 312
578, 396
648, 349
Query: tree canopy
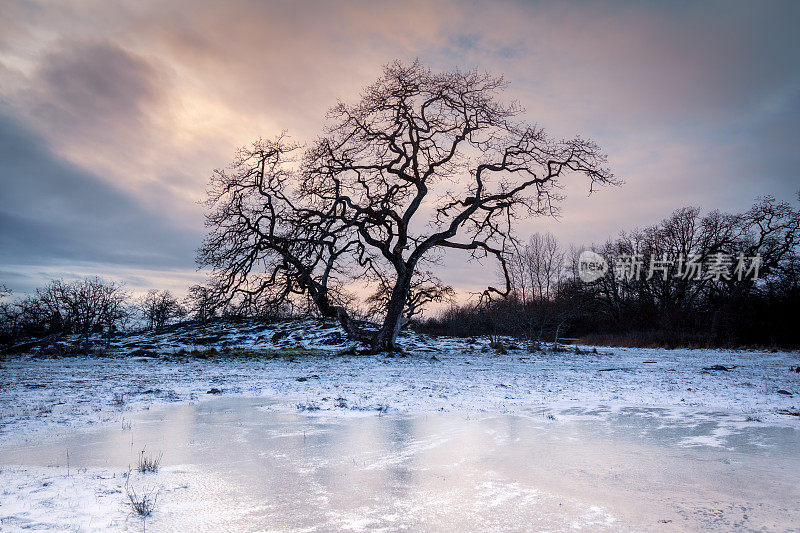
421, 163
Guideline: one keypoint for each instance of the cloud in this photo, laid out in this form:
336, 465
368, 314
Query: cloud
54, 213
96, 91
694, 103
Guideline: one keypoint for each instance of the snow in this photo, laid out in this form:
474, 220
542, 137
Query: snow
662, 397
48, 498
301, 370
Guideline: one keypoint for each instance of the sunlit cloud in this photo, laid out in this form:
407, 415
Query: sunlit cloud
695, 104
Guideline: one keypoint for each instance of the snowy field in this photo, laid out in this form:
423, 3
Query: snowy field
298, 364
441, 412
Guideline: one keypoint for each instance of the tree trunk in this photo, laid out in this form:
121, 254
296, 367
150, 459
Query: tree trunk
386, 338
558, 330
319, 295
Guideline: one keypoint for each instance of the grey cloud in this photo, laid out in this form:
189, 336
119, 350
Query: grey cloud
93, 89
52, 212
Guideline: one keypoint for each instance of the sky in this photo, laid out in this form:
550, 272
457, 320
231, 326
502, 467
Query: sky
114, 114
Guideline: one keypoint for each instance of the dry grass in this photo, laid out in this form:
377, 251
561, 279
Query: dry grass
249, 353
148, 462
308, 406
142, 503
647, 339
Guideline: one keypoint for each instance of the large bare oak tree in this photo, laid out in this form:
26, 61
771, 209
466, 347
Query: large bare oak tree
423, 162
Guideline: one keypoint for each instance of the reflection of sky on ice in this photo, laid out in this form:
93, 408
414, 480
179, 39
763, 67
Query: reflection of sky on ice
232, 463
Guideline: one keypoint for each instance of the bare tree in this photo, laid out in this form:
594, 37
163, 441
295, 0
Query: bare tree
160, 308
517, 275
201, 303
9, 317
82, 307
772, 230
90, 305
423, 162
542, 265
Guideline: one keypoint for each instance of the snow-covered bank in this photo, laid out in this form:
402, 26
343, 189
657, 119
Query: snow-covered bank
439, 374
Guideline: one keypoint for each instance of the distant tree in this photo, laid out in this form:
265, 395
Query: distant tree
539, 274
715, 311
771, 229
201, 303
9, 317
90, 305
537, 268
82, 307
159, 308
47, 310
424, 162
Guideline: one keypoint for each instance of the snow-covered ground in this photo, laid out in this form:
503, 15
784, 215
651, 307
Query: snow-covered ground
720, 401
297, 363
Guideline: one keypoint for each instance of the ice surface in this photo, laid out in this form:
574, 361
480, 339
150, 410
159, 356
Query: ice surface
233, 464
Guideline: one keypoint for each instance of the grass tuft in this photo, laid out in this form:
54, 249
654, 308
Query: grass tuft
144, 503
148, 463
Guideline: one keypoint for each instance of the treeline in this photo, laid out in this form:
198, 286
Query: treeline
98, 309
715, 280
90, 306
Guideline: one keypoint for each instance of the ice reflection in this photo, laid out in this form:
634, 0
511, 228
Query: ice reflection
231, 464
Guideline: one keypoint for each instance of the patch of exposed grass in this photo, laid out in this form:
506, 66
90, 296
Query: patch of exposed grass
252, 353
308, 406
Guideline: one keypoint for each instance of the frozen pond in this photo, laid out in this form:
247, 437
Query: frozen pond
234, 464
